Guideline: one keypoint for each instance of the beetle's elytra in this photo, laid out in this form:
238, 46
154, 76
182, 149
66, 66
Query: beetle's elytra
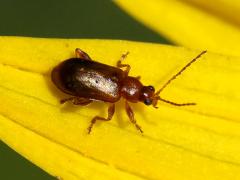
86, 81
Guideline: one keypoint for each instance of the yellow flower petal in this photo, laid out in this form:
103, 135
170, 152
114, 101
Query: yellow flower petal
185, 24
194, 142
228, 9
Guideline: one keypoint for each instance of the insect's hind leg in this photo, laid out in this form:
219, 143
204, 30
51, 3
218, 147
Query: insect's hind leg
77, 101
111, 110
82, 55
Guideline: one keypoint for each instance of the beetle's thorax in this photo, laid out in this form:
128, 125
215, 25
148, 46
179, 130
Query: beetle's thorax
131, 89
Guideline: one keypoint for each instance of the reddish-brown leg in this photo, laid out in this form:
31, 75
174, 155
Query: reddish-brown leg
77, 101
138, 77
111, 110
128, 67
120, 65
130, 114
82, 55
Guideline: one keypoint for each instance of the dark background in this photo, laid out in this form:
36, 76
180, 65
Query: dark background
63, 19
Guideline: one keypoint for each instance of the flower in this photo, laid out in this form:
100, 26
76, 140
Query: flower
192, 142
189, 25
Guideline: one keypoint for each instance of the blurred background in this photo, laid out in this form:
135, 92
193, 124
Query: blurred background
62, 19
71, 19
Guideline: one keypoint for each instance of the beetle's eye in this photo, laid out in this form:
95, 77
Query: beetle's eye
148, 101
151, 88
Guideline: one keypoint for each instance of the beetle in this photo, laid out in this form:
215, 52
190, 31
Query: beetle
87, 80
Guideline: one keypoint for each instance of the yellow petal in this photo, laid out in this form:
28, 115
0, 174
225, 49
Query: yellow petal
228, 9
185, 24
197, 142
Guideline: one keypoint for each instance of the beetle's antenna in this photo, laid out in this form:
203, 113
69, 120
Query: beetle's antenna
175, 104
174, 77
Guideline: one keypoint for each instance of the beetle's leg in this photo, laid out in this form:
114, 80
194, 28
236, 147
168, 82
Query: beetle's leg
62, 101
111, 110
82, 55
120, 65
130, 114
77, 101
138, 77
81, 101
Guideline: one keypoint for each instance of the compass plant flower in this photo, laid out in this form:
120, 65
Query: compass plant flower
190, 142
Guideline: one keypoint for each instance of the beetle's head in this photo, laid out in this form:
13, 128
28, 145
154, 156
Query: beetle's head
147, 95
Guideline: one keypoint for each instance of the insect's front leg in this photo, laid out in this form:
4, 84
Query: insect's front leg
120, 65
130, 114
